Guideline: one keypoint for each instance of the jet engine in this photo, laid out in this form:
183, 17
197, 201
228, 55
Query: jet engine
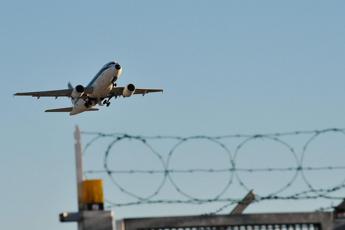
118, 71
78, 91
128, 90
117, 66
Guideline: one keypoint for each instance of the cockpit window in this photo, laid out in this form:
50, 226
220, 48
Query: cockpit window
109, 64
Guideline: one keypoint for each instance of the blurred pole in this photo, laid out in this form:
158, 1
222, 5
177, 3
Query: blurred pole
91, 214
244, 203
79, 169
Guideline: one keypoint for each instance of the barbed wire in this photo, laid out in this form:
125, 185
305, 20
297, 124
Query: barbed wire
233, 171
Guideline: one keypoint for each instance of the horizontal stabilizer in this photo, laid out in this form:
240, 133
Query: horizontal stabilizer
67, 109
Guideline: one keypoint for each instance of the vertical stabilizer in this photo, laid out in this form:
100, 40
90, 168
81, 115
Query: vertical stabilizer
70, 86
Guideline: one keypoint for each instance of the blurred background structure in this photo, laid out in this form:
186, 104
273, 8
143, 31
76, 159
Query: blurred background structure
92, 216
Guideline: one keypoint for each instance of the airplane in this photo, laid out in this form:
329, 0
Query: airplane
100, 90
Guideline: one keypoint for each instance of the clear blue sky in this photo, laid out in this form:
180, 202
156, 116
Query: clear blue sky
226, 67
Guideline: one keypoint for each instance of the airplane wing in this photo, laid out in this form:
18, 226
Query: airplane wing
145, 91
51, 93
119, 90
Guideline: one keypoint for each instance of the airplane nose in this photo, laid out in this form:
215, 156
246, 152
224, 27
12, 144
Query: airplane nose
117, 66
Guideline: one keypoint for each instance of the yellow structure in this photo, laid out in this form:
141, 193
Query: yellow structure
92, 192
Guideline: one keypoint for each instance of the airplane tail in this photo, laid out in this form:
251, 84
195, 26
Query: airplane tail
70, 86
67, 109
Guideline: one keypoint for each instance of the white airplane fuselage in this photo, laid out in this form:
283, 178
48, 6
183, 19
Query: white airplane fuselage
101, 84
101, 89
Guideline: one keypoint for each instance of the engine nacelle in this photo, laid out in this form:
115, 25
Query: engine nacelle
118, 71
128, 90
78, 91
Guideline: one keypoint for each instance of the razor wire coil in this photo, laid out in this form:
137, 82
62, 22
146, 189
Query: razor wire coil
167, 172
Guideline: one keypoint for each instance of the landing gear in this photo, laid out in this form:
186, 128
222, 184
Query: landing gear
87, 104
106, 102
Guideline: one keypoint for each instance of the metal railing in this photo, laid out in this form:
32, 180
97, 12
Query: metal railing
276, 221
